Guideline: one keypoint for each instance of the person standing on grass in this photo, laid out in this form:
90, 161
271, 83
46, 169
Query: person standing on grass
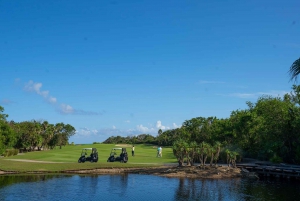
158, 151
132, 150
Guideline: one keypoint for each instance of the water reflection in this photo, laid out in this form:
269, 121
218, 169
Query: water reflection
145, 187
6, 180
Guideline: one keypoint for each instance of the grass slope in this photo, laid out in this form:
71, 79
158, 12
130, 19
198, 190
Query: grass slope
67, 157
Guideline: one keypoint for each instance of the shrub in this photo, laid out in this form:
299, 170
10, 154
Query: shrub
16, 151
10, 152
276, 159
235, 148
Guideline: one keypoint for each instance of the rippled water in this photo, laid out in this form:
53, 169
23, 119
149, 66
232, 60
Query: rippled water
142, 187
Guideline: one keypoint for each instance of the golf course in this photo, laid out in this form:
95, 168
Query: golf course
66, 158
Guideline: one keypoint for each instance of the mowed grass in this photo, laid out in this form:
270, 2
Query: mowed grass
67, 158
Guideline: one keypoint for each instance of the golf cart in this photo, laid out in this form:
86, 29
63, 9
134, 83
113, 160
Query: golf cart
115, 156
88, 154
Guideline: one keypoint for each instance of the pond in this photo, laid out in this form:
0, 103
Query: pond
141, 187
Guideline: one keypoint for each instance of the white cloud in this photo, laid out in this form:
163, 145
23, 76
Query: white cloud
160, 126
66, 109
52, 100
127, 121
36, 88
86, 132
63, 108
175, 125
114, 127
144, 129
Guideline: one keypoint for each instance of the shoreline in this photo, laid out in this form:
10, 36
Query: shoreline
220, 172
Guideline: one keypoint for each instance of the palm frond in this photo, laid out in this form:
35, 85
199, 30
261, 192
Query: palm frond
295, 70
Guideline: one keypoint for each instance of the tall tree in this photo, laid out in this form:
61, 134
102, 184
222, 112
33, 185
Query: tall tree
7, 136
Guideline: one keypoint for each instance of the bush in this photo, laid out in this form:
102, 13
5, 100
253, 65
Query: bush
235, 148
16, 151
10, 152
276, 159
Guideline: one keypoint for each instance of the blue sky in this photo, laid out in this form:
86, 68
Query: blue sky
132, 67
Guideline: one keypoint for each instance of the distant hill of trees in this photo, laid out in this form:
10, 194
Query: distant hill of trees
139, 139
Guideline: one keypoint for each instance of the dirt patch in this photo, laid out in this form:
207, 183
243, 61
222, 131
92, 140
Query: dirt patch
186, 171
123, 145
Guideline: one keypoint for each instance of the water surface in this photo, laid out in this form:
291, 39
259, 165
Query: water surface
141, 187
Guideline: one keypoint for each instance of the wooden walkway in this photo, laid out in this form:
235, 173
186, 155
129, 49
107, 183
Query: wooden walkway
271, 170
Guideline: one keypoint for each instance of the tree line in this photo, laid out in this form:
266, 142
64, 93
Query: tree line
32, 135
268, 129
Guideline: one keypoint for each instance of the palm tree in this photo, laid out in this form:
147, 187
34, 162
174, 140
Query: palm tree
295, 70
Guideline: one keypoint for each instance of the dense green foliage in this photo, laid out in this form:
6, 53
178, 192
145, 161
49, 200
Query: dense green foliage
268, 129
32, 135
139, 139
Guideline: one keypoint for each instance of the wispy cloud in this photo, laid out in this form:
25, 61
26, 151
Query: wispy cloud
62, 108
210, 82
6, 102
86, 132
36, 88
244, 95
274, 93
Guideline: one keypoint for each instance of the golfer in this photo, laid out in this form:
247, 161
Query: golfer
132, 150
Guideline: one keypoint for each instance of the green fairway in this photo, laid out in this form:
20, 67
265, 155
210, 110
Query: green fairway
67, 157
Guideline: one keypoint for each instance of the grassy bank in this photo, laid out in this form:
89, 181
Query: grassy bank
67, 157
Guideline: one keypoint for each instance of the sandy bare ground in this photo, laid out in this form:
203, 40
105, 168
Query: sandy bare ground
169, 171
183, 172
123, 145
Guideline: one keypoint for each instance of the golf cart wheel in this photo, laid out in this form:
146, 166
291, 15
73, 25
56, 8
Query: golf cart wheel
79, 161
